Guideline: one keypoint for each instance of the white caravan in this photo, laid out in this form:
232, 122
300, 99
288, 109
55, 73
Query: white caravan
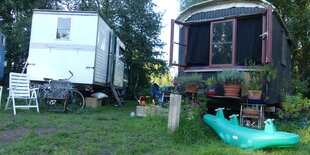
80, 42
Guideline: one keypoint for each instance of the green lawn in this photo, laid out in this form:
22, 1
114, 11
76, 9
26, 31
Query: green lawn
110, 130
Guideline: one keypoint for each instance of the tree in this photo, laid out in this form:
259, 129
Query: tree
138, 26
15, 21
186, 3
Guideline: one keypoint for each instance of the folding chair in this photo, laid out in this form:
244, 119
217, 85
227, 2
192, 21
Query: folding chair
19, 90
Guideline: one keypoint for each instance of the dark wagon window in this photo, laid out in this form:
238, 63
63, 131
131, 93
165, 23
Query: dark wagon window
63, 28
222, 42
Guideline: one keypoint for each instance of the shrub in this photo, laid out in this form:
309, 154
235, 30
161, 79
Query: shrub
189, 79
210, 83
260, 76
231, 76
292, 107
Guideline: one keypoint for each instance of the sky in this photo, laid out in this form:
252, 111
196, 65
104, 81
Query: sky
170, 8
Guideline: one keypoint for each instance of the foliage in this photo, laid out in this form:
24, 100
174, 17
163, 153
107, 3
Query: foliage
194, 107
210, 82
259, 77
251, 107
300, 86
191, 126
186, 3
189, 79
139, 28
162, 79
292, 107
15, 21
231, 76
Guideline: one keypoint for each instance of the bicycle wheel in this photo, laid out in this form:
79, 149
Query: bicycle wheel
75, 101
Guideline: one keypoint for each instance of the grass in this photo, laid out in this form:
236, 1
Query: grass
111, 130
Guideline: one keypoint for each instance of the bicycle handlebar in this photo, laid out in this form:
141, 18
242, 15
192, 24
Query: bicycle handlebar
70, 76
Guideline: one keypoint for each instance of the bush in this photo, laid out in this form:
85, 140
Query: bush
292, 107
231, 76
189, 80
210, 83
259, 77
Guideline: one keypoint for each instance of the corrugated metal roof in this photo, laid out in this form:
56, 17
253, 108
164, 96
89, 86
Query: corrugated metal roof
224, 13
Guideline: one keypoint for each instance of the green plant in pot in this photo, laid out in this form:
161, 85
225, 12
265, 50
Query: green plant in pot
210, 85
258, 78
251, 110
191, 82
232, 80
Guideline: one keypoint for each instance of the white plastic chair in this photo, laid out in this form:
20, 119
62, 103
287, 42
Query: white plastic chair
19, 89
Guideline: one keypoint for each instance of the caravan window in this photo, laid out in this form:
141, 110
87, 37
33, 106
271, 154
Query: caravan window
121, 54
222, 44
218, 44
63, 28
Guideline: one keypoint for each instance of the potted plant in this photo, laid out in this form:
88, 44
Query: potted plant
232, 80
251, 110
258, 78
210, 86
191, 82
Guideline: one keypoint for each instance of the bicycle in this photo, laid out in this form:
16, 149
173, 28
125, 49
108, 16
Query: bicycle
62, 96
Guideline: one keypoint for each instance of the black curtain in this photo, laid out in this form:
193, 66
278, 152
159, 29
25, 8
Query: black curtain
249, 43
198, 44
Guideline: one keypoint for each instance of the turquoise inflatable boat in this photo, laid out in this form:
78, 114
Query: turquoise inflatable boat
232, 133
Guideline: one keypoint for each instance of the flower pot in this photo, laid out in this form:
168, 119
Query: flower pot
211, 92
191, 88
250, 112
232, 90
254, 94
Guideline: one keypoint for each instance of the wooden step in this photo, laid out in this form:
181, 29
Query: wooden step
117, 96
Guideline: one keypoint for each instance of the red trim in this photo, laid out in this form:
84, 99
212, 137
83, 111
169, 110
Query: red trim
186, 44
234, 41
171, 41
218, 67
269, 37
234, 38
179, 22
264, 29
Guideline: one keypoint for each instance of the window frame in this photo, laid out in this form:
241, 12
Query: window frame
69, 35
172, 42
266, 42
234, 30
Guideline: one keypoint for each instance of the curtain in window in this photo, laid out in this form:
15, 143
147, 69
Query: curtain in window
198, 44
249, 43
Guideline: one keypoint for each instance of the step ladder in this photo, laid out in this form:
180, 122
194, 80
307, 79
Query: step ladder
118, 96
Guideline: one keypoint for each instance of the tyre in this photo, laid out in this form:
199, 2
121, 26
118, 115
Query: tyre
75, 100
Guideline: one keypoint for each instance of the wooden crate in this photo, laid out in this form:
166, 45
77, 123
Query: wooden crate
93, 102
